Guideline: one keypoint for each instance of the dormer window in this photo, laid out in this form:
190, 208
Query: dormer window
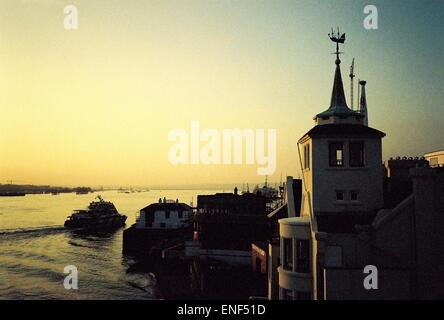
336, 154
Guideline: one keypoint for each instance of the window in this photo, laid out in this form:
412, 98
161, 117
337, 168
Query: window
433, 162
354, 195
180, 214
307, 156
357, 154
167, 214
288, 254
303, 256
339, 195
336, 154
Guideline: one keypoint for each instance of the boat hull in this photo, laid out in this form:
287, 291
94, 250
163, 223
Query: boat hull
112, 223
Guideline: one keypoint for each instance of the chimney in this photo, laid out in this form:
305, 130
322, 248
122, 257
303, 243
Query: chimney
363, 102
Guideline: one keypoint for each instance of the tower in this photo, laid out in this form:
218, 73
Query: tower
341, 158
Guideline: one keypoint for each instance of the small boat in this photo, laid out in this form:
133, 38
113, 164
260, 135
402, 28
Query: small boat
100, 214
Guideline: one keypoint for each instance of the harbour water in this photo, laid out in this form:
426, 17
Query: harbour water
35, 248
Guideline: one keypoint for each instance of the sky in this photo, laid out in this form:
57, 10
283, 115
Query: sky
94, 106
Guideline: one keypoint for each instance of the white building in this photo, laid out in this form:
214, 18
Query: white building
295, 274
166, 214
341, 160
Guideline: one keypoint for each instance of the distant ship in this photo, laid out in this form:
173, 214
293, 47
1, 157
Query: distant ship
100, 214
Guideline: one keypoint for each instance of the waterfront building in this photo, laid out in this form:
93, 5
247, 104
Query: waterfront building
225, 225
158, 226
166, 214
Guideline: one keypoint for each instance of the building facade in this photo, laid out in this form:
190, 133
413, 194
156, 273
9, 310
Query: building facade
166, 214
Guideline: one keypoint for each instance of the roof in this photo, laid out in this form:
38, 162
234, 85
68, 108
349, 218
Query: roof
167, 206
434, 153
338, 104
386, 215
279, 213
345, 129
296, 221
261, 245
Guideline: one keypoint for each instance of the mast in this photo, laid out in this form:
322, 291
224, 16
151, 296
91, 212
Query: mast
352, 67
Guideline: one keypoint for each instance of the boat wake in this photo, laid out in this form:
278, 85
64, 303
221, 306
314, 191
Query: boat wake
35, 230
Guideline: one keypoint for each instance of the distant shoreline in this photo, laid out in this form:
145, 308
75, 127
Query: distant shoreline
42, 189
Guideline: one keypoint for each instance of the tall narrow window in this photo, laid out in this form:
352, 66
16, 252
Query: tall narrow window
303, 256
288, 254
307, 156
356, 154
336, 154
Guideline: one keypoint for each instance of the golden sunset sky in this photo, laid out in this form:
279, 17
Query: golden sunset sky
94, 106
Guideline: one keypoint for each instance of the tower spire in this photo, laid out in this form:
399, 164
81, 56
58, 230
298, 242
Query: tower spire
338, 111
363, 102
337, 96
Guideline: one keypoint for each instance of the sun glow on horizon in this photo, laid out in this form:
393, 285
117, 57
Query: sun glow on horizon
94, 106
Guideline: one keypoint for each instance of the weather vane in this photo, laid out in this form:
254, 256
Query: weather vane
338, 39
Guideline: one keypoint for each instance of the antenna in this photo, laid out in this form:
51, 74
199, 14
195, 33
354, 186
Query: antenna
352, 75
359, 87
